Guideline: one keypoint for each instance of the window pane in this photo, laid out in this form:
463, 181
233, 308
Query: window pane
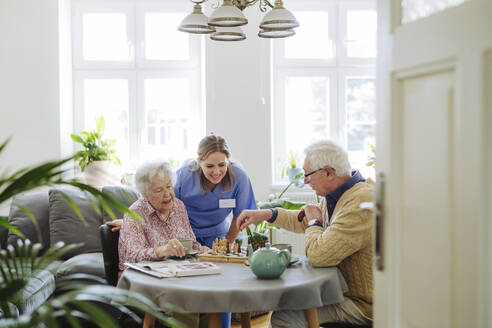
361, 122
163, 41
307, 106
361, 33
168, 118
109, 98
105, 37
415, 9
313, 27
359, 139
360, 99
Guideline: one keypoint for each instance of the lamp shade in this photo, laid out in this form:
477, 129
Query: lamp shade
228, 34
279, 18
227, 15
276, 34
196, 22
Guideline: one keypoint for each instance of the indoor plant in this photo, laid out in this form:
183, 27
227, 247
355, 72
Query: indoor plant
20, 265
97, 154
292, 170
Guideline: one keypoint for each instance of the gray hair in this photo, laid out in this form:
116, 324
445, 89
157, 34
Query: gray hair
327, 153
148, 170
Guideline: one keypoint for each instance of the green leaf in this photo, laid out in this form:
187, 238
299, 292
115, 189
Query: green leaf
100, 124
292, 205
77, 138
5, 223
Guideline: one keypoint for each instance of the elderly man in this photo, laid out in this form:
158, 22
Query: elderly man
338, 233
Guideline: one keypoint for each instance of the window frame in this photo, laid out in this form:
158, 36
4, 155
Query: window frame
138, 67
338, 68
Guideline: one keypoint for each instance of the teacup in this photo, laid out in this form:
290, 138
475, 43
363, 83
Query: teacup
187, 243
283, 246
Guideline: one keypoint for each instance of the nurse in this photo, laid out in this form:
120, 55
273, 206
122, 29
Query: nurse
211, 187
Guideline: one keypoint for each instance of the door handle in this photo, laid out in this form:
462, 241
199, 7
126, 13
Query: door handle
378, 211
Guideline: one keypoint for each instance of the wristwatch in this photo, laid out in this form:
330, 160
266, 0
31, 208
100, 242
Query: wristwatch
314, 223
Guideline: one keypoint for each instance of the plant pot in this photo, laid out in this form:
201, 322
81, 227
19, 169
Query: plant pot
293, 172
100, 173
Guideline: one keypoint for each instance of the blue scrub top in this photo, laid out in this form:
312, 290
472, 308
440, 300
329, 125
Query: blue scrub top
206, 217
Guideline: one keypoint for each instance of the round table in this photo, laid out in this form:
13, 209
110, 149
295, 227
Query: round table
237, 289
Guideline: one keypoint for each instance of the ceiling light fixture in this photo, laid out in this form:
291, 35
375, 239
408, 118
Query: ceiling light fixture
224, 22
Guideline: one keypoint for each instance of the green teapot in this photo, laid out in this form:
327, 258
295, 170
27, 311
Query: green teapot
268, 262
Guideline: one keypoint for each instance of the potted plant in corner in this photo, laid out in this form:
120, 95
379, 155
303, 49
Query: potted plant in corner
97, 155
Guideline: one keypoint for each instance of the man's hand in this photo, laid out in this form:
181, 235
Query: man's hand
312, 212
116, 224
248, 217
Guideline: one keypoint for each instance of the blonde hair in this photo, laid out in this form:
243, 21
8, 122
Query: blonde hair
207, 146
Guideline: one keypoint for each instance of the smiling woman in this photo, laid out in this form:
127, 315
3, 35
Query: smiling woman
164, 218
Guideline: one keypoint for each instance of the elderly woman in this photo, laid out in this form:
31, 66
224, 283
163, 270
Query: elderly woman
164, 218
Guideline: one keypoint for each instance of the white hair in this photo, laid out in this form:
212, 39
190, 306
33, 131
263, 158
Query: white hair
148, 170
327, 153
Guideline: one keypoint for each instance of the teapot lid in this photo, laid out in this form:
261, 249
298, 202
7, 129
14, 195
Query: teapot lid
268, 248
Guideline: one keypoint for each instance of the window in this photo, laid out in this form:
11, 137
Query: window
324, 81
133, 67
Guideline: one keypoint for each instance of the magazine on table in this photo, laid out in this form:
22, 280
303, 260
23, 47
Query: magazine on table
171, 268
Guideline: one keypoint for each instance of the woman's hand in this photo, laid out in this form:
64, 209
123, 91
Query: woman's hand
203, 249
172, 248
116, 224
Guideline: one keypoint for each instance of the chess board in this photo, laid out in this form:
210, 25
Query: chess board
234, 258
222, 251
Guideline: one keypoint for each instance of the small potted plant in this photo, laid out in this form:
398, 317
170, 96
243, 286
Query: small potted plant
97, 154
292, 169
256, 239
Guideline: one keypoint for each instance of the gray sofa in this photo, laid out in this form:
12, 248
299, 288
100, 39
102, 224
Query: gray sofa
58, 222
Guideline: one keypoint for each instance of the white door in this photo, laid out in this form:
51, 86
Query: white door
434, 148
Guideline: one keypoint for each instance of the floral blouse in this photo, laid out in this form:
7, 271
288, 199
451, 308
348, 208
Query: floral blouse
138, 239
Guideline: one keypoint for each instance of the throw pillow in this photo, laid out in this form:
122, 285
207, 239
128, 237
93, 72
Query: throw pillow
38, 205
67, 227
125, 195
4, 233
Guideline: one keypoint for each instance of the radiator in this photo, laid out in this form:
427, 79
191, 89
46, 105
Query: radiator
295, 239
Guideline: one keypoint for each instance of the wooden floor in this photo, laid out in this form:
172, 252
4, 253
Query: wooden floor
258, 322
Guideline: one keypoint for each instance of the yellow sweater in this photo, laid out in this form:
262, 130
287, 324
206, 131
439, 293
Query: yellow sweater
346, 242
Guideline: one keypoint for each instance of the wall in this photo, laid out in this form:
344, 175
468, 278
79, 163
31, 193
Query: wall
238, 102
29, 89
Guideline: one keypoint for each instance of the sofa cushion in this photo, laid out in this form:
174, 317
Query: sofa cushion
37, 291
90, 263
38, 205
67, 227
125, 195
4, 233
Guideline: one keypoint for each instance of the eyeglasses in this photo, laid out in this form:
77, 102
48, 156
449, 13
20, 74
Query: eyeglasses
311, 173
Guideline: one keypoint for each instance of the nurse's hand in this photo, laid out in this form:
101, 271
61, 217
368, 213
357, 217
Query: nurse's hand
203, 249
172, 248
116, 224
248, 217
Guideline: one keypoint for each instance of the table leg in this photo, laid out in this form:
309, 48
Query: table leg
149, 321
214, 320
246, 320
312, 317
